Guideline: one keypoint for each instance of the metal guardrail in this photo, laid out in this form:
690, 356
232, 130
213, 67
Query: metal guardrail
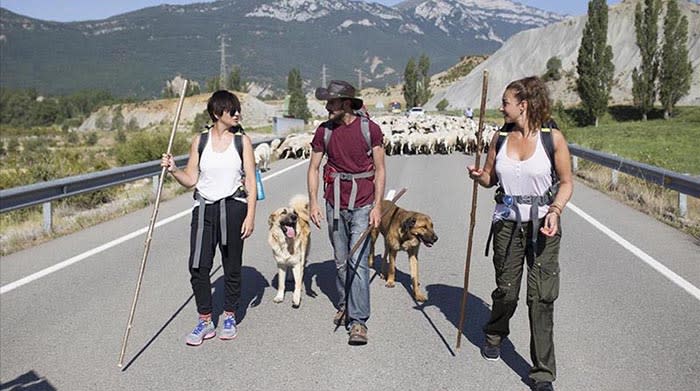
39, 193
24, 196
685, 184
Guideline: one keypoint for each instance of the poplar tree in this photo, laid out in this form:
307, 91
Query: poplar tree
675, 68
646, 22
298, 107
409, 83
594, 64
235, 81
423, 92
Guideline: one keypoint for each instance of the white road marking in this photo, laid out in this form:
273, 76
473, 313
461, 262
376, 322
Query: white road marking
646, 258
51, 269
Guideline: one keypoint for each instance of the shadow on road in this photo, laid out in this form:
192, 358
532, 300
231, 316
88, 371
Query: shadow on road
252, 291
253, 285
324, 273
28, 381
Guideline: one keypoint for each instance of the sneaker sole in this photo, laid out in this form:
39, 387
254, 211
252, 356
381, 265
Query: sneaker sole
225, 338
489, 358
357, 342
206, 337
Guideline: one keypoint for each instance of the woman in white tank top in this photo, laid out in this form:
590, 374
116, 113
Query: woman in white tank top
223, 215
522, 168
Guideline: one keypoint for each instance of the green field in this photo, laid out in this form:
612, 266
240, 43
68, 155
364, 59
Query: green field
673, 144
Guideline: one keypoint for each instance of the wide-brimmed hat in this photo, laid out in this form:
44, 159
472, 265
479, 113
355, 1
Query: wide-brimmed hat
339, 89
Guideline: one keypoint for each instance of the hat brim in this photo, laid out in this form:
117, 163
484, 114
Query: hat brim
323, 94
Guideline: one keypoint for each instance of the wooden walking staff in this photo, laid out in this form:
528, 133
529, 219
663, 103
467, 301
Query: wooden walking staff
472, 222
149, 234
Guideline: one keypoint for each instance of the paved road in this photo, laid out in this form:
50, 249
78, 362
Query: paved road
619, 323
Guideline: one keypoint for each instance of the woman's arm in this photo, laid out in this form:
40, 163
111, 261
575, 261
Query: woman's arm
188, 176
562, 163
486, 176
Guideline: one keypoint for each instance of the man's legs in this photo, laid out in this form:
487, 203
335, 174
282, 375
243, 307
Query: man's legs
358, 271
340, 241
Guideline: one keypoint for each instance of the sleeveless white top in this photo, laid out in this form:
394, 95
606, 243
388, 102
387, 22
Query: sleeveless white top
523, 177
219, 172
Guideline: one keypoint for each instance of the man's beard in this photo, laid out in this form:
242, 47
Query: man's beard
336, 117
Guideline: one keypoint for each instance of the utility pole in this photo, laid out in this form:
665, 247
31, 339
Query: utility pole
222, 67
359, 79
323, 75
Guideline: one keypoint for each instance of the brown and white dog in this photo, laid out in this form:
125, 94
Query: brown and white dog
403, 230
289, 239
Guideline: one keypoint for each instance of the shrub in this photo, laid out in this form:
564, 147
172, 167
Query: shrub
442, 105
147, 146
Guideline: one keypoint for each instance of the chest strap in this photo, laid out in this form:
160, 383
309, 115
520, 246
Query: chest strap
512, 202
342, 176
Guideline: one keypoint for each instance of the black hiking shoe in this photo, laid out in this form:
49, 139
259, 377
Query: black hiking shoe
491, 352
543, 386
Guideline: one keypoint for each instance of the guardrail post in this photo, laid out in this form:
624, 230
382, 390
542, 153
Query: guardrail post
48, 218
574, 163
682, 205
613, 177
154, 181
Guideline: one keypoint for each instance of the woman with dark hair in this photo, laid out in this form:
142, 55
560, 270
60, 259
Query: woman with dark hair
224, 212
531, 164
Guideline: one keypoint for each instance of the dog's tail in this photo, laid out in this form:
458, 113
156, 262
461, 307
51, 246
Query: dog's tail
300, 204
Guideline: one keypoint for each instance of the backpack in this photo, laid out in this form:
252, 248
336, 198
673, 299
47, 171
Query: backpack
545, 136
237, 131
364, 126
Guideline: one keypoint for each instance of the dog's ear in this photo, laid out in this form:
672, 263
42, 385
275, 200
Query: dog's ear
271, 220
408, 223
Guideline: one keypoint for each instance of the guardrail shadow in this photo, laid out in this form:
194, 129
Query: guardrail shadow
448, 300
28, 381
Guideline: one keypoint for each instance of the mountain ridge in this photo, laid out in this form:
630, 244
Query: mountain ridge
136, 52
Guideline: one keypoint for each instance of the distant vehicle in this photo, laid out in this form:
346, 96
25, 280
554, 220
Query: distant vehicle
415, 112
395, 107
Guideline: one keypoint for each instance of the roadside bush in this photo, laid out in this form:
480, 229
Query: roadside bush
442, 105
147, 146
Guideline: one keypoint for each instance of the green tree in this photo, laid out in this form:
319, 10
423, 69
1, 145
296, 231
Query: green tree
553, 69
442, 105
646, 22
118, 119
675, 70
213, 84
298, 107
423, 86
235, 81
410, 77
594, 64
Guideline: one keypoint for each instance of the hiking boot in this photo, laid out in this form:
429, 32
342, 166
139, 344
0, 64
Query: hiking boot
358, 334
204, 330
339, 317
544, 386
229, 330
491, 352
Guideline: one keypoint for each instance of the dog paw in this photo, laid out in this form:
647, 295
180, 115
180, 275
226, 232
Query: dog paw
278, 299
296, 299
420, 297
390, 284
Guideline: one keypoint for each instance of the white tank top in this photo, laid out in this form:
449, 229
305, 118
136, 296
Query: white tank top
219, 172
523, 177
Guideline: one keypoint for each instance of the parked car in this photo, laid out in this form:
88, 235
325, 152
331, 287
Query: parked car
415, 112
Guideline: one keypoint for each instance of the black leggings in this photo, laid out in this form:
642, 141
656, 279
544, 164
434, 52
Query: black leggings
231, 254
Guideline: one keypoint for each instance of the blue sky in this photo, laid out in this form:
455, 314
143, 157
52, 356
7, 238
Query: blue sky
75, 10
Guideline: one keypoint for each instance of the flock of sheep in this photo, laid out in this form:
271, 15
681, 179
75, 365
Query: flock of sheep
402, 135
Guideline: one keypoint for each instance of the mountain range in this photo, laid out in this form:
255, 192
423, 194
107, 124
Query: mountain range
133, 54
527, 53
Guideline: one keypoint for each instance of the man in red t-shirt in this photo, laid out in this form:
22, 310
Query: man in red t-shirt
353, 177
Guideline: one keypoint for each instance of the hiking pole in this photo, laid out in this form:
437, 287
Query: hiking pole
359, 243
472, 221
149, 236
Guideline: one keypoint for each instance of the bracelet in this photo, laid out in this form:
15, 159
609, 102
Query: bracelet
554, 209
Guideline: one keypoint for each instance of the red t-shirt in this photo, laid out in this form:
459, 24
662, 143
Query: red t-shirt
347, 152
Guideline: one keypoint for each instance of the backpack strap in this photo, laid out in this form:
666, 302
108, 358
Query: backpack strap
364, 127
203, 137
548, 143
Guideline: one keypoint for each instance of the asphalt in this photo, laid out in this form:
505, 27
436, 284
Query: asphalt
619, 323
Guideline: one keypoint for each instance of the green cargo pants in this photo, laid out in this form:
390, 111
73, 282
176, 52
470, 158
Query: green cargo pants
542, 290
